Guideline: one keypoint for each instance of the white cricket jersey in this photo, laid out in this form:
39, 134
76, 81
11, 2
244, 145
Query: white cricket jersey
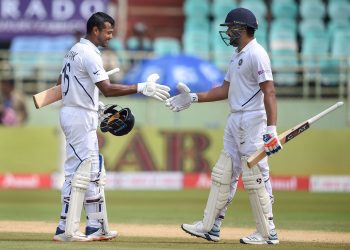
248, 68
82, 69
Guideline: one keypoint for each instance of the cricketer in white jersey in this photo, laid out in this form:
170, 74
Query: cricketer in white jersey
249, 88
82, 77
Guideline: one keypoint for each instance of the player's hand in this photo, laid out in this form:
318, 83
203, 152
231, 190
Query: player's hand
183, 100
101, 108
271, 142
153, 89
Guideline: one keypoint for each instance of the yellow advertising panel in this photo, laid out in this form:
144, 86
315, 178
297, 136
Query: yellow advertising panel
153, 149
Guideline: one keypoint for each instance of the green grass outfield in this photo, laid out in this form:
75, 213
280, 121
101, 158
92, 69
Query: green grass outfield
292, 210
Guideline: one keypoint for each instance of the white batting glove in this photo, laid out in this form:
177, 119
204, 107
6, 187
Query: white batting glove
101, 108
271, 142
183, 100
153, 89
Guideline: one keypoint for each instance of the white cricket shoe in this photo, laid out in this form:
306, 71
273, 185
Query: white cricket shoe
97, 234
257, 239
196, 229
60, 236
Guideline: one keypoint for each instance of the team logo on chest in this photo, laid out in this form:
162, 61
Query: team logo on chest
240, 62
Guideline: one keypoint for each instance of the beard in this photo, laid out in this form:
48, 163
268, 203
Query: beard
234, 41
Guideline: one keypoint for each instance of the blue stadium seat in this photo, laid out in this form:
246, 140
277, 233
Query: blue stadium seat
284, 25
116, 44
196, 8
285, 67
284, 48
194, 23
220, 8
258, 7
339, 9
307, 26
133, 43
337, 24
262, 38
166, 46
283, 36
196, 43
315, 51
334, 70
261, 34
24, 56
340, 51
312, 9
51, 51
286, 9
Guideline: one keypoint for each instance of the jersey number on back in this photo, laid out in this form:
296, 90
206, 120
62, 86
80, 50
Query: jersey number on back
66, 77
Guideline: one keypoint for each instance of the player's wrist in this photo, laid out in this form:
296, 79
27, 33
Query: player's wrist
140, 86
194, 97
271, 129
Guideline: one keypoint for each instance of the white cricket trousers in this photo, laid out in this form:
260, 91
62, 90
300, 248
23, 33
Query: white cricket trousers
243, 135
79, 127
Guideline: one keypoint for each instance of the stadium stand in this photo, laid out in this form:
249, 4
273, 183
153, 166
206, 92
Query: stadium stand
339, 9
306, 39
312, 9
166, 46
219, 8
307, 26
258, 7
196, 8
314, 53
286, 9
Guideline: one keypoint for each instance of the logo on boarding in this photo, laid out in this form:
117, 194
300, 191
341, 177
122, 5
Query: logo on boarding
240, 62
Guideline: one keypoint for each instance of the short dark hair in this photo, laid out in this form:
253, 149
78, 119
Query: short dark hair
98, 19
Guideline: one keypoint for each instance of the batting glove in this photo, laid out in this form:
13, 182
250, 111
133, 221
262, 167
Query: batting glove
271, 142
183, 100
153, 89
101, 108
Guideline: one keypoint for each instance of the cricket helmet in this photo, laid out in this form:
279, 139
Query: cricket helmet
241, 16
117, 120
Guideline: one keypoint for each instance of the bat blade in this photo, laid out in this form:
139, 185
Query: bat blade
291, 134
54, 94
47, 97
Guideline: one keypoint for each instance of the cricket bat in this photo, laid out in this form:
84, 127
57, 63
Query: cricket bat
290, 134
54, 94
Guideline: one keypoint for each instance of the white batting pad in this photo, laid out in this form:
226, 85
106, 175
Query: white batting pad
102, 183
80, 184
258, 196
219, 191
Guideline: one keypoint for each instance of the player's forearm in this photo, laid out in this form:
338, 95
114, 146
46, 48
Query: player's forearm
270, 107
117, 89
215, 94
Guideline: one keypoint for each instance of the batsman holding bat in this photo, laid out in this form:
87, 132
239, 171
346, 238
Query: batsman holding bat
250, 91
81, 79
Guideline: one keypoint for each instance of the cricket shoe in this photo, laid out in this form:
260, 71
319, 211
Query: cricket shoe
60, 236
257, 239
98, 234
196, 229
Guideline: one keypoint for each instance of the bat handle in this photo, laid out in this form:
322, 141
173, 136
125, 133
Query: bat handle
323, 113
